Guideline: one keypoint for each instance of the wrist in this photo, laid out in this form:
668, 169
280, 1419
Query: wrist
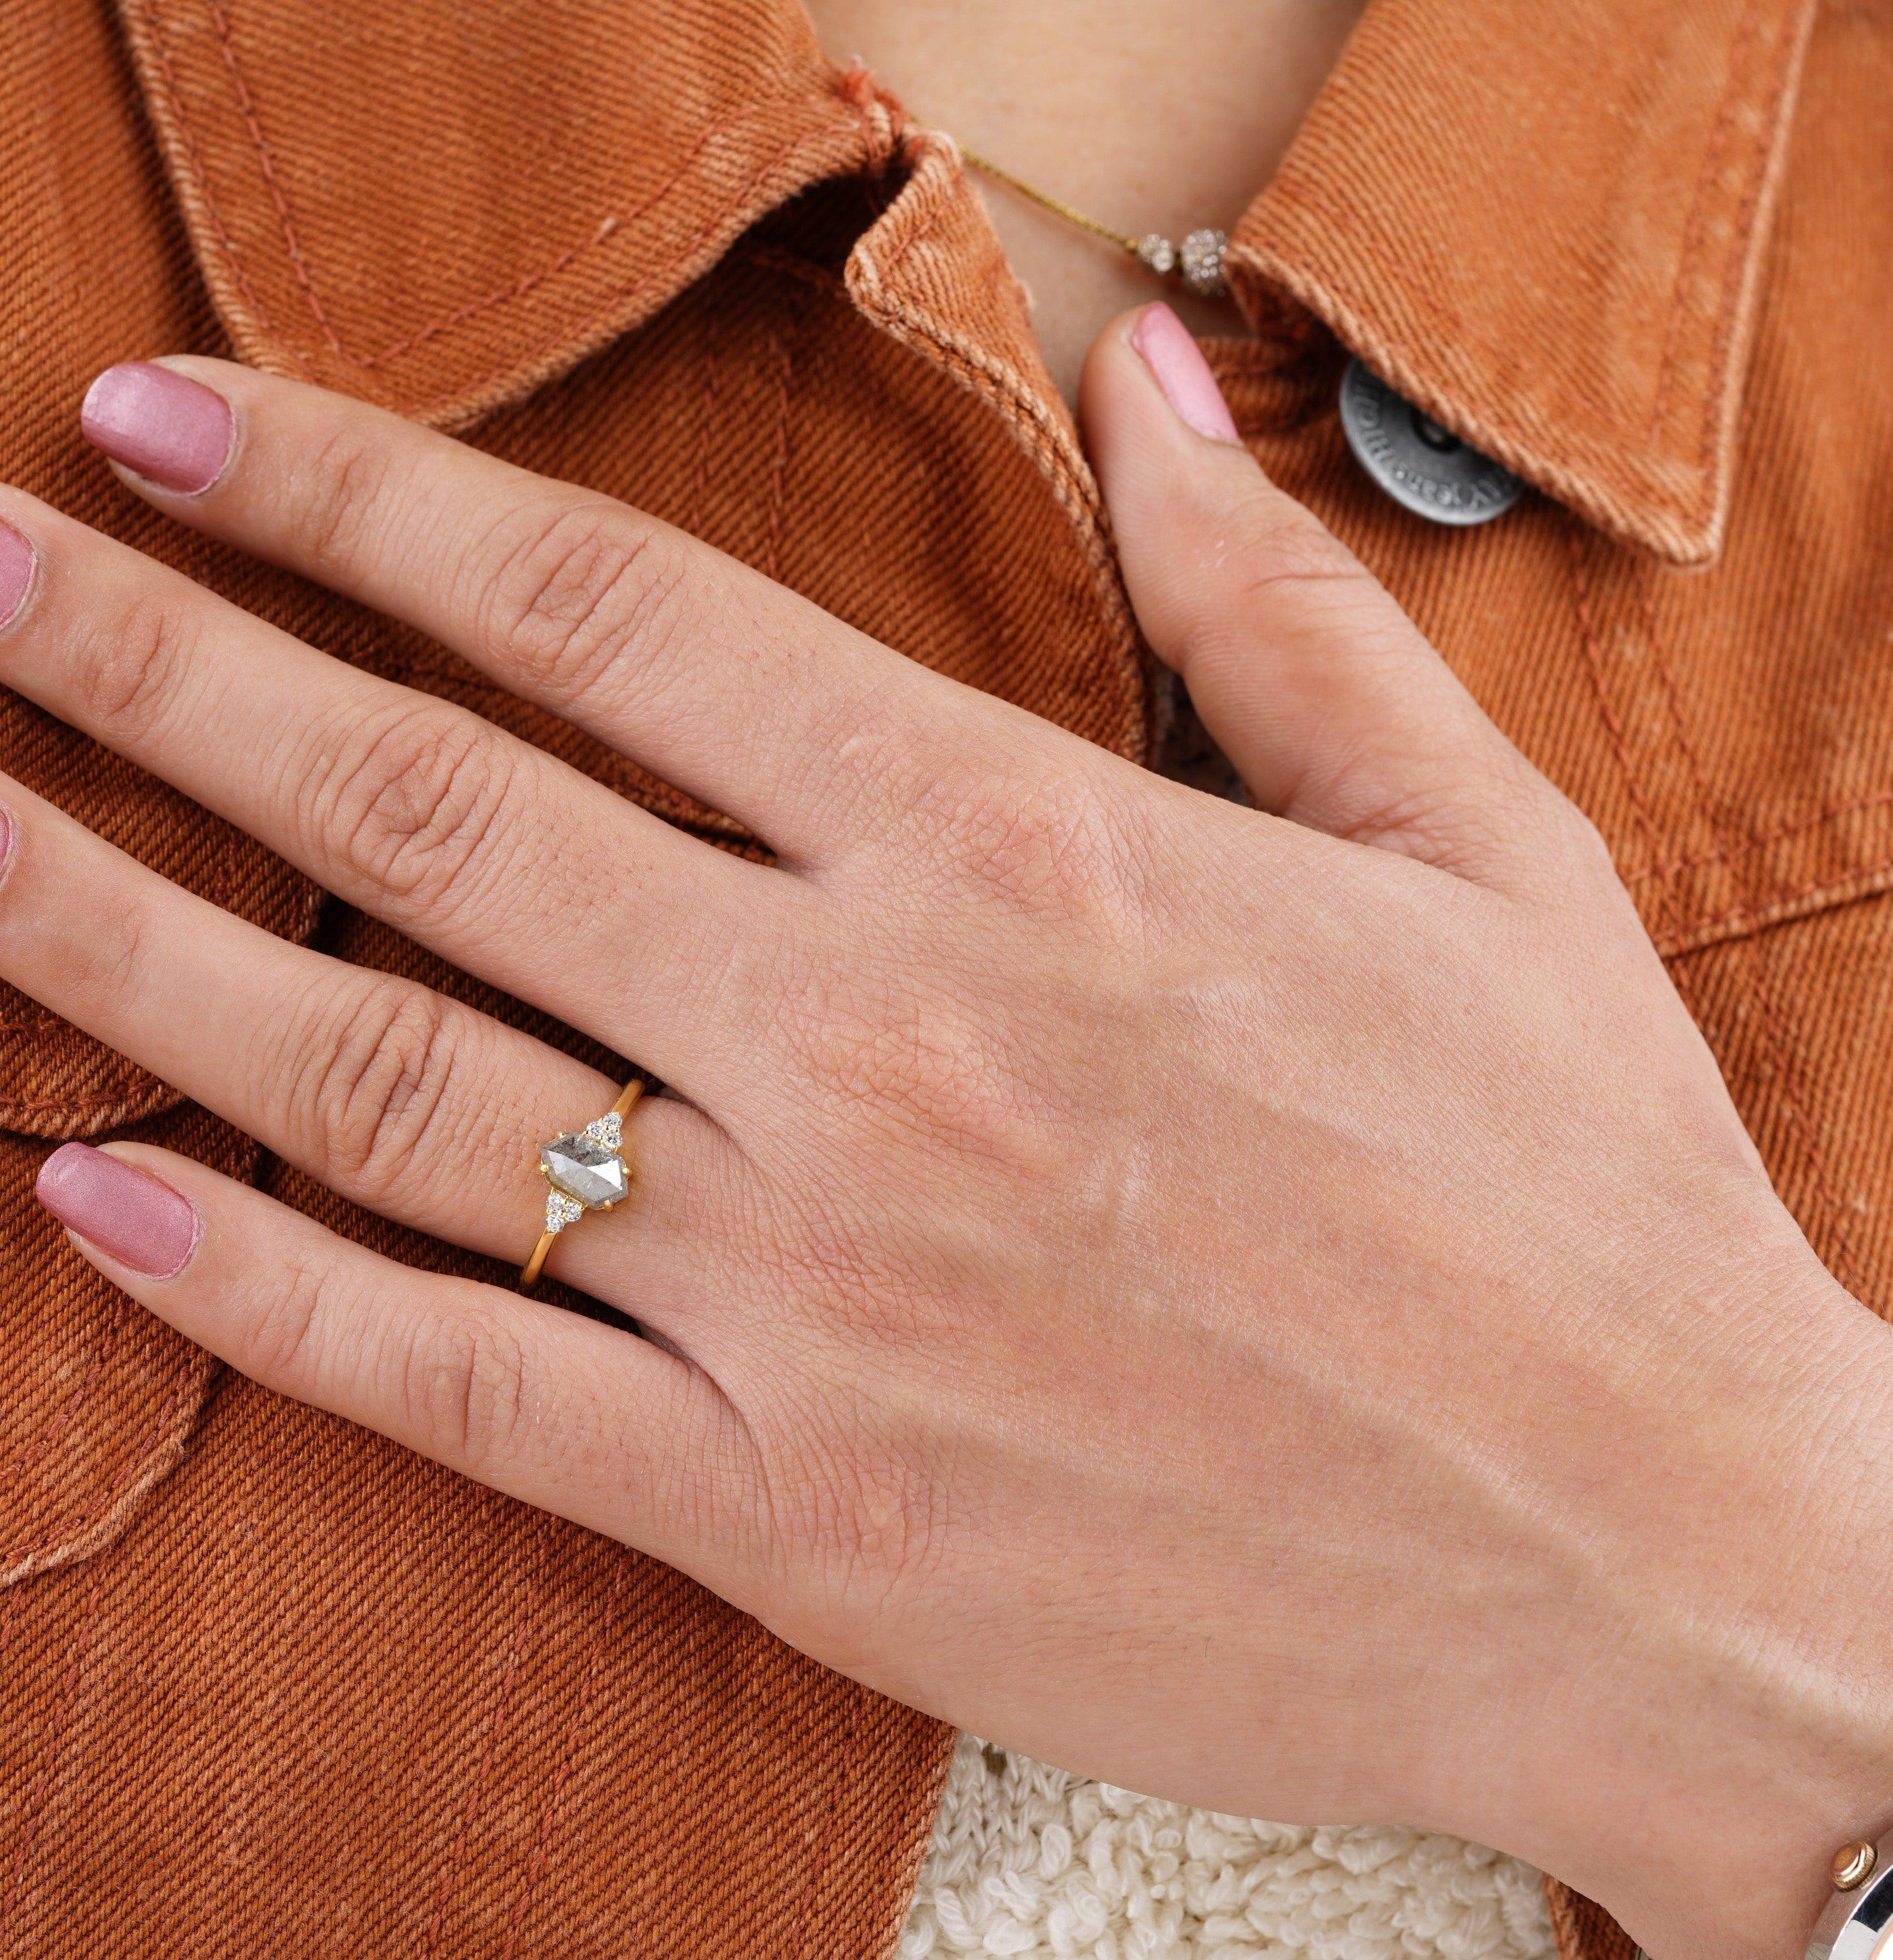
1724, 1719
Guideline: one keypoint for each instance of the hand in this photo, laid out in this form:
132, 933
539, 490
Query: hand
1274, 1309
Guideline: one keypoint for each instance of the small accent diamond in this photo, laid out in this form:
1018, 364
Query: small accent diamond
1157, 253
608, 1131
561, 1210
1203, 263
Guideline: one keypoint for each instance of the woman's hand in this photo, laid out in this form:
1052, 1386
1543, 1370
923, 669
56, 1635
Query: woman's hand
1275, 1309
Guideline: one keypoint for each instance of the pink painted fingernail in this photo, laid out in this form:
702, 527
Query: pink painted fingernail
1171, 354
163, 425
129, 1214
16, 572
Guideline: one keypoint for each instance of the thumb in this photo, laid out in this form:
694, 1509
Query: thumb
1324, 695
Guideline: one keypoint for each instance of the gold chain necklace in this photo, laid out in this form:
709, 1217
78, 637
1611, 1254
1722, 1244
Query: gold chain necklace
1197, 263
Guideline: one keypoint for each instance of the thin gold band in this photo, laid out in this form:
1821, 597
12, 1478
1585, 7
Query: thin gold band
626, 1102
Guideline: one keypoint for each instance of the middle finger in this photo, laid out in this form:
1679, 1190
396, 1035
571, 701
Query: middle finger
504, 860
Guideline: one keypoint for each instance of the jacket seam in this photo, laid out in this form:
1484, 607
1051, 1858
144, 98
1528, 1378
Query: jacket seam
78, 1535
1784, 1053
192, 167
52, 1754
1609, 479
1662, 866
65, 1414
265, 163
1801, 826
575, 331
1696, 229
1784, 909
607, 228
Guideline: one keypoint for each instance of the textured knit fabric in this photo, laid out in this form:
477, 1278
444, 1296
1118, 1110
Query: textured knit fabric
267, 1684
1033, 1863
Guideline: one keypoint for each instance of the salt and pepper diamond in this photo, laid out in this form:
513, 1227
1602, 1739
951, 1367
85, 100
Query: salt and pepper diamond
1203, 263
585, 1171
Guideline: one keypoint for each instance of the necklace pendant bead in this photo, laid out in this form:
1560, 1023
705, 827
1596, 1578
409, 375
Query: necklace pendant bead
1156, 254
1203, 264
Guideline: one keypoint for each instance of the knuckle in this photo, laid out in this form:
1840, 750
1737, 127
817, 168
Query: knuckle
1270, 554
126, 677
283, 1337
373, 1087
339, 491
590, 595
1052, 845
109, 955
462, 1390
1276, 545
414, 803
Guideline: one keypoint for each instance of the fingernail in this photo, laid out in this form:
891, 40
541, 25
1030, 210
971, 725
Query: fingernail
1171, 354
127, 1214
16, 572
163, 425
6, 838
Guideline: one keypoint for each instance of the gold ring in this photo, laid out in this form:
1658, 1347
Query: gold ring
584, 1171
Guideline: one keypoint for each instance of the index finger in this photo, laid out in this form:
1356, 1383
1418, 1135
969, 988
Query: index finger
718, 679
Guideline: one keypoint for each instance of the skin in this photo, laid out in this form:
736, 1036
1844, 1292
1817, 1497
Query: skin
1204, 97
1273, 1306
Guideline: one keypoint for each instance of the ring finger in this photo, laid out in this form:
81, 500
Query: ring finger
509, 863
415, 1105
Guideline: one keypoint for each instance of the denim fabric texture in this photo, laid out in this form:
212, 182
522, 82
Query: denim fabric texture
269, 1684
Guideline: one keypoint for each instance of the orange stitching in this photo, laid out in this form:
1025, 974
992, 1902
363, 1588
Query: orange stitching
1767, 911
1043, 441
1695, 231
1619, 739
549, 1816
920, 230
779, 467
1759, 991
36, 1802
247, 109
496, 1730
1720, 364
92, 1101
1592, 455
606, 229
160, 52
108, 1491
1832, 814
621, 296
61, 1419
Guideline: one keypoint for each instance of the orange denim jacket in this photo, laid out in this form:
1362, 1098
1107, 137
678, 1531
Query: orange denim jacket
268, 1684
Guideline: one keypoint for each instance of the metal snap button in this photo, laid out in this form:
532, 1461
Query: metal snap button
1420, 465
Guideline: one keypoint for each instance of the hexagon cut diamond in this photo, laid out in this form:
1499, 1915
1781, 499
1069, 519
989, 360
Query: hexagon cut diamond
584, 1169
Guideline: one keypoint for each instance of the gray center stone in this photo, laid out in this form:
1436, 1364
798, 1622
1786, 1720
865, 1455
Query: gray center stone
583, 1169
